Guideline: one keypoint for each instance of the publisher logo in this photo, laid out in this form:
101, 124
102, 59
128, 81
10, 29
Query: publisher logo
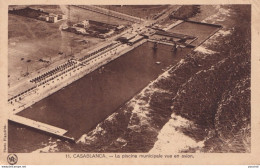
12, 159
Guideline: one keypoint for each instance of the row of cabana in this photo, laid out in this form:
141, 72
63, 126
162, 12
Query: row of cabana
54, 71
20, 94
97, 51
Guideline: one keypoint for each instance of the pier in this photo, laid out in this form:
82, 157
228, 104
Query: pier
110, 13
173, 25
40, 126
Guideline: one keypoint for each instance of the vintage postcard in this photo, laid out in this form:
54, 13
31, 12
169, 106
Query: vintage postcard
129, 82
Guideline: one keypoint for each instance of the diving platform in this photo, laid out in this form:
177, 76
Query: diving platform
160, 42
182, 45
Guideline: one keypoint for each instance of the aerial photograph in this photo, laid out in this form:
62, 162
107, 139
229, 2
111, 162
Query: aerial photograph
129, 78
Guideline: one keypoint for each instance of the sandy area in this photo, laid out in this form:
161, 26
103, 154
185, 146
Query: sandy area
35, 40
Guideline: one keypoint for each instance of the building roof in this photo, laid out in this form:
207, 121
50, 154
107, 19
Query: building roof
128, 36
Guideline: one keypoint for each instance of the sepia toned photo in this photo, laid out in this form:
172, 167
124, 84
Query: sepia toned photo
140, 80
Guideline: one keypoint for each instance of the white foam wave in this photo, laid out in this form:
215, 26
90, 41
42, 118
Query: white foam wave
171, 140
204, 50
47, 149
219, 16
